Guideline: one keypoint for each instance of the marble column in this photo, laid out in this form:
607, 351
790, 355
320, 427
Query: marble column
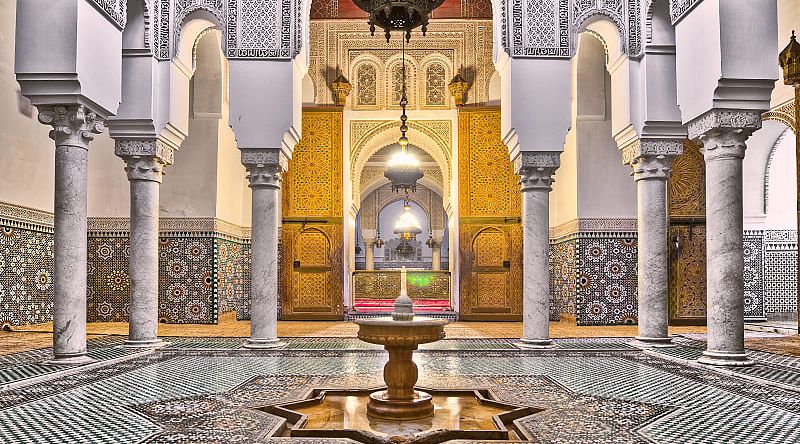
145, 160
264, 167
651, 161
369, 253
74, 126
436, 256
723, 134
536, 171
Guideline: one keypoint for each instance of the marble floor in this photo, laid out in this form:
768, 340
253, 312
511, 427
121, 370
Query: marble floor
210, 390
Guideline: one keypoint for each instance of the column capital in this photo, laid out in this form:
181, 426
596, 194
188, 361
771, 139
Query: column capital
145, 159
73, 125
536, 169
652, 158
264, 166
723, 132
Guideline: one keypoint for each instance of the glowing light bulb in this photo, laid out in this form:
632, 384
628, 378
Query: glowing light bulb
403, 158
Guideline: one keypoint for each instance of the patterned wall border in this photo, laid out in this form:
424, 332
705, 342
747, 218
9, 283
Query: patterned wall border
783, 113
25, 218
179, 226
595, 226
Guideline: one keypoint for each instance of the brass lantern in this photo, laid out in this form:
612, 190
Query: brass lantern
398, 15
341, 89
789, 59
458, 87
407, 228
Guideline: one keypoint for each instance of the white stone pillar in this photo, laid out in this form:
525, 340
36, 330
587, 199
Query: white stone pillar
145, 160
74, 126
651, 161
264, 167
536, 170
369, 253
723, 134
436, 256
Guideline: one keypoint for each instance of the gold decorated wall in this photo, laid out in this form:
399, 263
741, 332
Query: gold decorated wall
490, 234
311, 263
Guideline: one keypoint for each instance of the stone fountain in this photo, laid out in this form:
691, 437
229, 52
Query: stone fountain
400, 335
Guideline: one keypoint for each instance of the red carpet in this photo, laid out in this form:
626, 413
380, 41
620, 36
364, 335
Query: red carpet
386, 305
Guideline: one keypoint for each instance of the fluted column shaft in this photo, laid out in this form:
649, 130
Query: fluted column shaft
536, 171
264, 173
145, 160
651, 161
73, 128
723, 134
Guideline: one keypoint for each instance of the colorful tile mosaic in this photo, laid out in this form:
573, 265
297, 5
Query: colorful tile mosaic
606, 280
753, 248
586, 396
563, 285
26, 275
780, 273
232, 261
108, 280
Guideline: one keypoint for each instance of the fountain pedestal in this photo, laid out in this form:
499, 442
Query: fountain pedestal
400, 338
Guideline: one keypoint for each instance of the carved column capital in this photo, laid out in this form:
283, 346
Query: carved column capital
723, 132
264, 166
652, 158
536, 169
73, 125
145, 159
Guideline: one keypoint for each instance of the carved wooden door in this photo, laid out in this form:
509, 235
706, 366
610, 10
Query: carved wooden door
687, 238
311, 279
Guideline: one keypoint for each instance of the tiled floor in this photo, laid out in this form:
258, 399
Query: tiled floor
592, 390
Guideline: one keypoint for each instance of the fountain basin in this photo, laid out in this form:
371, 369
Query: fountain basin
400, 338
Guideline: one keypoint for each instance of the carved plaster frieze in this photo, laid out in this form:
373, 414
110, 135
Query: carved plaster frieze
594, 226
537, 159
264, 156
679, 8
171, 226
725, 119
783, 113
73, 125
346, 47
651, 148
18, 216
153, 148
116, 10
549, 28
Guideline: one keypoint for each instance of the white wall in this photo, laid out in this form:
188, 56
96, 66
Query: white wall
781, 188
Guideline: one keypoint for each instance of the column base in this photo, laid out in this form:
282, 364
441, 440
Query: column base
145, 343
645, 342
81, 359
725, 359
533, 344
264, 343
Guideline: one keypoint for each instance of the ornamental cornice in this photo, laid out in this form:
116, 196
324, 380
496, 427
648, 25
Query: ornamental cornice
594, 226
73, 125
171, 226
783, 113
652, 148
151, 148
536, 160
722, 119
19, 216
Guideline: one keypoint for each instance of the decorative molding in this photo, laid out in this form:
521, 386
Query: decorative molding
651, 147
264, 156
527, 160
172, 226
154, 148
679, 8
116, 10
549, 28
783, 113
592, 227
18, 216
724, 119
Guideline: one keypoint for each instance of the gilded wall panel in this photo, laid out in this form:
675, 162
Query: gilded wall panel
312, 186
486, 180
687, 185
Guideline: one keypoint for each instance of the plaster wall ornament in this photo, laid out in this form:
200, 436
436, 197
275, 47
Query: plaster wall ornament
679, 8
783, 113
26, 218
651, 148
598, 226
73, 125
549, 28
116, 10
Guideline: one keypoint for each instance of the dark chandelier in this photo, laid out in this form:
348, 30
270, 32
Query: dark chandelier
398, 15
403, 169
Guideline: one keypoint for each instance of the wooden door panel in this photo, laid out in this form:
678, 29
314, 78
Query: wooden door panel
687, 278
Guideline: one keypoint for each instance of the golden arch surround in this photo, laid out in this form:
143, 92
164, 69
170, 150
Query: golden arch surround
432, 136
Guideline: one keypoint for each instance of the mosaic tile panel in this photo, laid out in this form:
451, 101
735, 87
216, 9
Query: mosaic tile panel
606, 281
780, 272
186, 281
753, 249
232, 262
108, 283
562, 279
26, 276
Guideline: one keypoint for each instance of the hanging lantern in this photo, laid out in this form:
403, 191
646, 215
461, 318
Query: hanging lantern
341, 88
407, 228
458, 88
398, 15
789, 59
